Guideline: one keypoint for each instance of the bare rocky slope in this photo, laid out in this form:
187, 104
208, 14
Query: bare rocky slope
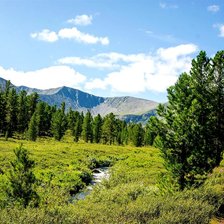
127, 108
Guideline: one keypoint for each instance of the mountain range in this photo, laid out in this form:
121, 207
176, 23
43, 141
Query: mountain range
126, 108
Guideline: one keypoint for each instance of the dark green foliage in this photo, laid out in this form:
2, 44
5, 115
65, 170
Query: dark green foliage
33, 130
190, 127
59, 123
87, 128
32, 104
97, 128
108, 129
137, 135
78, 126
21, 179
11, 112
150, 131
22, 112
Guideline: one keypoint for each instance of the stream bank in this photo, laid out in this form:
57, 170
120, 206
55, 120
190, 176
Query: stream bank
98, 175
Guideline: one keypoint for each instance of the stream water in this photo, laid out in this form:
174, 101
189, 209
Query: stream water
98, 175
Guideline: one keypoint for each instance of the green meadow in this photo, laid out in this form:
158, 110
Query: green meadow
136, 191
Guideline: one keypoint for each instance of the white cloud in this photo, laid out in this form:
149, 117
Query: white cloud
81, 20
110, 60
45, 78
173, 53
164, 5
75, 34
152, 72
45, 35
221, 29
213, 8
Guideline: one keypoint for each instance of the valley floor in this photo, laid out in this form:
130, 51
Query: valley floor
136, 192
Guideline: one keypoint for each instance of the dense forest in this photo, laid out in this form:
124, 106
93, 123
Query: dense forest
25, 116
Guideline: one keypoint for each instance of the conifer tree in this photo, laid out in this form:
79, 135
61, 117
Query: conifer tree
97, 128
137, 135
59, 123
22, 112
32, 132
109, 129
190, 127
11, 112
87, 129
21, 179
78, 127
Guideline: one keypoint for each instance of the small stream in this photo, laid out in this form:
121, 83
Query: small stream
98, 175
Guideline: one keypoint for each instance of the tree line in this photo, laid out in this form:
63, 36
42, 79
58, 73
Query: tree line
26, 116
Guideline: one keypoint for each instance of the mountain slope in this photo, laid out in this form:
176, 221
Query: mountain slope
126, 108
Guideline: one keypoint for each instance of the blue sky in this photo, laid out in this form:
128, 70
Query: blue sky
106, 47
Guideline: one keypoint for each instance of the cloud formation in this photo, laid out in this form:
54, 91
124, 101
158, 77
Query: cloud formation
45, 35
127, 74
75, 34
71, 33
44, 78
164, 5
213, 8
221, 29
147, 72
112, 60
81, 20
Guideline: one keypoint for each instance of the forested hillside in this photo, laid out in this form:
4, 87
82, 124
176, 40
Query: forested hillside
29, 117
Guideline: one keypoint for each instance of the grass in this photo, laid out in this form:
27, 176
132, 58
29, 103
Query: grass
131, 195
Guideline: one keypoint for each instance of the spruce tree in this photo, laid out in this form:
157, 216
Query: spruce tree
97, 128
11, 112
190, 125
59, 123
87, 129
22, 179
32, 132
22, 112
109, 129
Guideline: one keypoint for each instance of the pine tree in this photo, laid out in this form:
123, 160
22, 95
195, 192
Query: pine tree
97, 128
11, 113
2, 112
59, 123
32, 132
109, 129
189, 127
32, 103
22, 112
150, 131
87, 129
78, 126
137, 135
21, 179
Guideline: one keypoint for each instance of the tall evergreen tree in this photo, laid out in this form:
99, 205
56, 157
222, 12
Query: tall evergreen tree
59, 123
78, 126
2, 112
97, 128
33, 130
138, 135
109, 129
22, 112
87, 129
11, 112
32, 103
186, 126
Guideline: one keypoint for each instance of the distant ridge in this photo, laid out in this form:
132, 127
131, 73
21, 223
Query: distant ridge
128, 108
